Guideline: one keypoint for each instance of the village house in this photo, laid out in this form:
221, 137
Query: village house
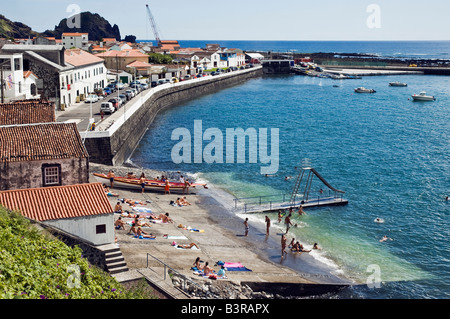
42, 155
87, 73
75, 40
63, 75
139, 68
27, 112
11, 74
118, 60
82, 210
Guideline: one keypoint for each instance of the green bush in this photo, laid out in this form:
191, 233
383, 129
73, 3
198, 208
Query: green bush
34, 265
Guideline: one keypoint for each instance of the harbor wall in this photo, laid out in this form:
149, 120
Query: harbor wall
115, 145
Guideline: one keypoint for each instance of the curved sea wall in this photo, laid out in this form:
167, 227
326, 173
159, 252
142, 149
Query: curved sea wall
114, 140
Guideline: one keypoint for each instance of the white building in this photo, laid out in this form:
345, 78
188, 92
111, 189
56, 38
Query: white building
75, 40
86, 73
11, 69
82, 210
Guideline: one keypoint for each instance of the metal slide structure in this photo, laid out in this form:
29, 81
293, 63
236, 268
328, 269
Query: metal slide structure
308, 183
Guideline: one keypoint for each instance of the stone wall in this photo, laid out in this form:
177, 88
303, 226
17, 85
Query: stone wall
116, 149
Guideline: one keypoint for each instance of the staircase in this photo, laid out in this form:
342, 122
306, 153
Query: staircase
115, 262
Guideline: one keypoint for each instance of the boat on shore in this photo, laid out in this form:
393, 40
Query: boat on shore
364, 90
398, 84
150, 184
422, 96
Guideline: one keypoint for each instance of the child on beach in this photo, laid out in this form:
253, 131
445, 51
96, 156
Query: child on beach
246, 227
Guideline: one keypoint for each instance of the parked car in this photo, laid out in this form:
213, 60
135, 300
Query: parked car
144, 86
130, 93
154, 83
91, 98
107, 107
112, 87
136, 86
161, 81
187, 77
107, 91
214, 73
116, 103
124, 98
233, 68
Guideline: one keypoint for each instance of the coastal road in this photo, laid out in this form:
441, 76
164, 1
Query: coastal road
80, 112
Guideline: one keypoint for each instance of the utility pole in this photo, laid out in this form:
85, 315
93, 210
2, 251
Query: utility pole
2, 81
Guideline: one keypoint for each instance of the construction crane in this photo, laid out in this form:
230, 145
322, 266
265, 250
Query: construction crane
153, 23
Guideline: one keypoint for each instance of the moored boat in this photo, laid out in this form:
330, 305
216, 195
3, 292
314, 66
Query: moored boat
397, 84
422, 96
364, 90
150, 184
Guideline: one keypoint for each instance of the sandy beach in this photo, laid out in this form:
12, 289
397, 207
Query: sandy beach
219, 234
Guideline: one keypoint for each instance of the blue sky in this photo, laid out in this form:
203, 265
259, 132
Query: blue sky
253, 20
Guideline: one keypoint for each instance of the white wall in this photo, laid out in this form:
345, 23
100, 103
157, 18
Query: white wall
82, 80
85, 227
14, 87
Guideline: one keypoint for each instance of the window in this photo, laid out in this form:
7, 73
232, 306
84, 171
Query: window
51, 174
100, 229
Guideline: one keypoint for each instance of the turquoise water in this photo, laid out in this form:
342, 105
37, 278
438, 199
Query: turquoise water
389, 154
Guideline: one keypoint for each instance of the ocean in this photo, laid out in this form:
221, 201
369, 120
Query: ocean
389, 154
391, 49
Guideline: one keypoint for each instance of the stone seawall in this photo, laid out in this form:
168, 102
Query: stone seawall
116, 144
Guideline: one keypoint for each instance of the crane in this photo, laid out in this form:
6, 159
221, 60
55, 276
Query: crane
153, 23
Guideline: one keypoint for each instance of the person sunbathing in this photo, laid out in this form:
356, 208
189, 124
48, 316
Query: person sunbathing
118, 208
133, 203
119, 223
188, 246
207, 270
165, 218
142, 234
184, 201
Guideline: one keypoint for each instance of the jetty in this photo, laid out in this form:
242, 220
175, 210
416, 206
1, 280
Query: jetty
301, 195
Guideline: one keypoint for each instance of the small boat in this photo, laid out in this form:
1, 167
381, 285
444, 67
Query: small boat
364, 90
422, 96
134, 183
397, 84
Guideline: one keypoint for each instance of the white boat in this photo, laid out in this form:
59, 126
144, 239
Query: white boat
397, 84
422, 96
364, 90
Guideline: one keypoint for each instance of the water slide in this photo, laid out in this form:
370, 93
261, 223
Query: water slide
325, 182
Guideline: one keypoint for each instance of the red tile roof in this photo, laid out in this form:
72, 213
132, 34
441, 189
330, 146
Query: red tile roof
122, 54
32, 142
78, 57
27, 112
50, 203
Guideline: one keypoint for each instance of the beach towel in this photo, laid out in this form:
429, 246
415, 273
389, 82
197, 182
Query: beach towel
141, 237
141, 210
235, 267
175, 237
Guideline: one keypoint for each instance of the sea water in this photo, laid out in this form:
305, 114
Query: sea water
389, 154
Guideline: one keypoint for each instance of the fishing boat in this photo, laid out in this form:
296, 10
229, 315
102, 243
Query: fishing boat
422, 96
397, 84
150, 184
364, 90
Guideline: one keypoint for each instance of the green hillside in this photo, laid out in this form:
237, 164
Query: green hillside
34, 265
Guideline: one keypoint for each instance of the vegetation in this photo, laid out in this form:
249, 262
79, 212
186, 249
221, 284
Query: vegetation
158, 58
33, 265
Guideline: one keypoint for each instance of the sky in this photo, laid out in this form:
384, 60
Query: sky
251, 20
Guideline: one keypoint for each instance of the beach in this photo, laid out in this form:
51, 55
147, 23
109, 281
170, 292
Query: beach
219, 234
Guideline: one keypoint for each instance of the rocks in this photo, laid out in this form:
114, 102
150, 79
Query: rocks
214, 289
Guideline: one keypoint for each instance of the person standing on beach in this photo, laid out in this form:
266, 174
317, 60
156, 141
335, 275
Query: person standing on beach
280, 215
186, 187
246, 227
283, 245
111, 178
142, 182
267, 225
167, 187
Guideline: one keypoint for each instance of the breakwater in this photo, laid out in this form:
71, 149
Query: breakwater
114, 141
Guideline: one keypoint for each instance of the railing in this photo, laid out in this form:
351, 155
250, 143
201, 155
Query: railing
179, 274
281, 201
